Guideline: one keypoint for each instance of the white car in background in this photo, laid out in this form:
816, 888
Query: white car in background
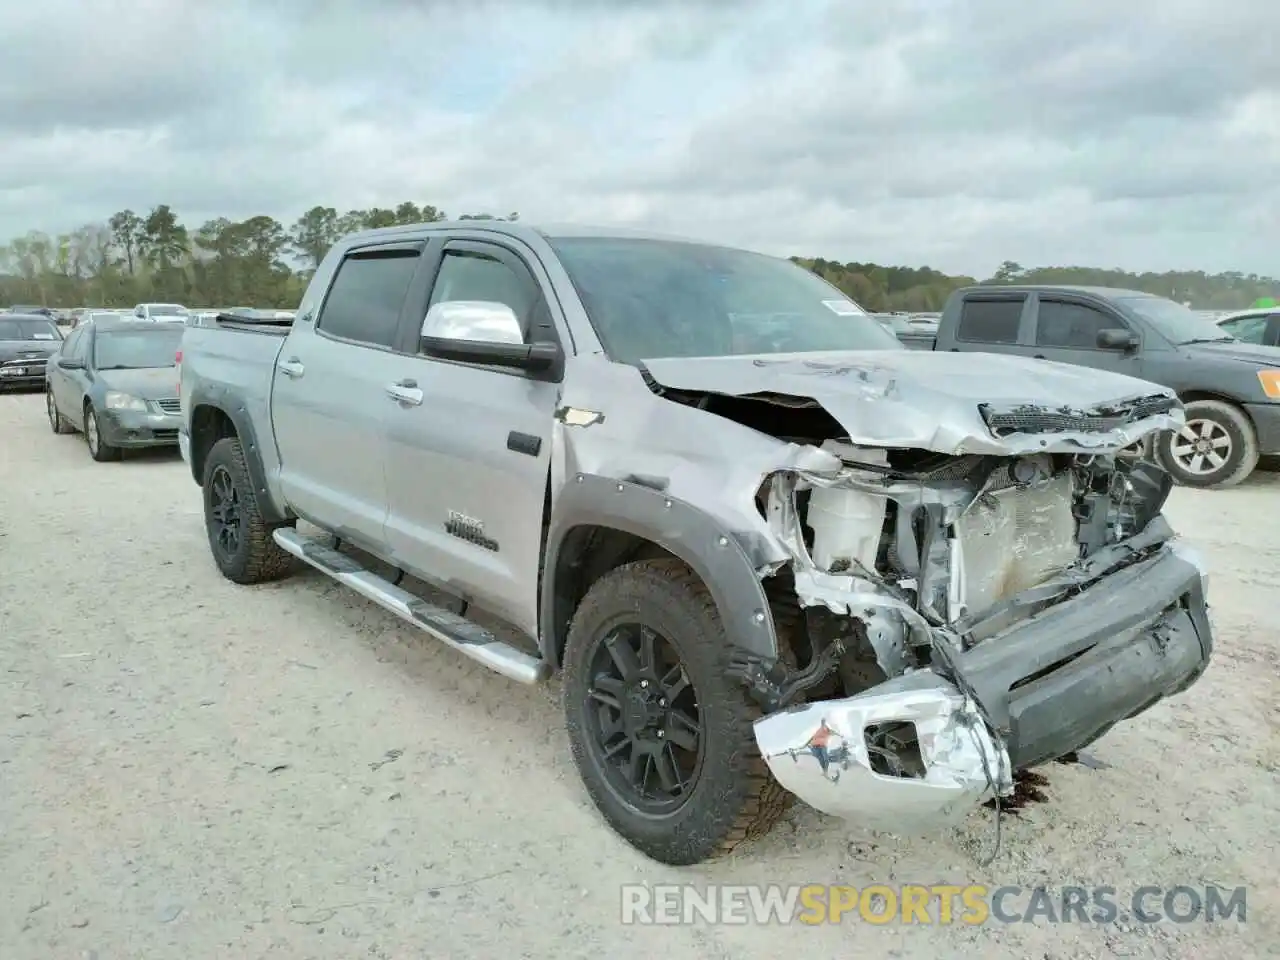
168, 312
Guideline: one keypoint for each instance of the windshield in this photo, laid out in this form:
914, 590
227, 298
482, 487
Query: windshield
136, 349
166, 310
649, 299
1180, 324
32, 328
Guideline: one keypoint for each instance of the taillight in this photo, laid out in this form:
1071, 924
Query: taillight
177, 362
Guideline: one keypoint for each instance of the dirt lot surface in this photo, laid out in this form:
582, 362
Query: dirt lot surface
190, 769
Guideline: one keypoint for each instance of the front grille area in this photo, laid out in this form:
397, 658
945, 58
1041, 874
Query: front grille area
35, 363
1014, 539
171, 405
165, 435
1031, 419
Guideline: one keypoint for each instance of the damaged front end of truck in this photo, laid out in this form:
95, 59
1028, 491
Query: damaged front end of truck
986, 585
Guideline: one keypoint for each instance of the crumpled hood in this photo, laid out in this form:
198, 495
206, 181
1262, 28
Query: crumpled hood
1236, 350
39, 349
926, 400
151, 383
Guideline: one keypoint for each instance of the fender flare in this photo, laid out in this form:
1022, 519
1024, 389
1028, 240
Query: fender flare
716, 555
235, 411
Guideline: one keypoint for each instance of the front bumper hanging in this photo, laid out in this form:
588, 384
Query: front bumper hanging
1049, 685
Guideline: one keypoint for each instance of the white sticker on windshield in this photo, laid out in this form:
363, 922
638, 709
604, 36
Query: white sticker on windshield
42, 336
845, 308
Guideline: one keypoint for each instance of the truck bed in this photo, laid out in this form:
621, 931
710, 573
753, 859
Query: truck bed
232, 357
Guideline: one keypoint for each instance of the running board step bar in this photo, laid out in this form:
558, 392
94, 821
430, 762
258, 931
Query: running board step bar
458, 632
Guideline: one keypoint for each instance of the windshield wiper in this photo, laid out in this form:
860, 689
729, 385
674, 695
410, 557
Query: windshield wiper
1183, 343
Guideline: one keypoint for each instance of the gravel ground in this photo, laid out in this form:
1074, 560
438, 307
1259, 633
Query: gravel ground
189, 769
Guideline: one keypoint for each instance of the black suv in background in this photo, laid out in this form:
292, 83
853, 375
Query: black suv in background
26, 343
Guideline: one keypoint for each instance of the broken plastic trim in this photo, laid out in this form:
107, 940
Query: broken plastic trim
821, 752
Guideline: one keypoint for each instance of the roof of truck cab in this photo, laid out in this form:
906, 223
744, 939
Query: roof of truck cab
519, 230
1106, 293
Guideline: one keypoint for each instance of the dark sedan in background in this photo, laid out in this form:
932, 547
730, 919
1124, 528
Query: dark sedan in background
116, 381
26, 343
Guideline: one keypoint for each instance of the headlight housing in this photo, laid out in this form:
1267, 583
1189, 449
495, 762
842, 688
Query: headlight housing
124, 401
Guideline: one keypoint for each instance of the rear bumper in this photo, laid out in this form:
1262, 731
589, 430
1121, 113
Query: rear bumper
1266, 422
1048, 686
131, 429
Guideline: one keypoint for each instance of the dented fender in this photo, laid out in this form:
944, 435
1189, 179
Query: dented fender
713, 552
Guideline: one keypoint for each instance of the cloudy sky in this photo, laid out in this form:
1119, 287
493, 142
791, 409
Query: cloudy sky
954, 133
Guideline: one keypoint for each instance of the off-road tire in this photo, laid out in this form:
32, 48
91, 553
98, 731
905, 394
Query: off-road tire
735, 798
1242, 459
259, 558
103, 452
57, 422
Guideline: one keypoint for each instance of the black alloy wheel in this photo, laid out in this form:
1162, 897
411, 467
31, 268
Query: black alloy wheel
226, 521
646, 731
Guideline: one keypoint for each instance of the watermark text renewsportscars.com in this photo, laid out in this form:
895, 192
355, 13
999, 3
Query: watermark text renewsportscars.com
970, 904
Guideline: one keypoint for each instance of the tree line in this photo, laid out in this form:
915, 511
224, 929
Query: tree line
132, 258
924, 290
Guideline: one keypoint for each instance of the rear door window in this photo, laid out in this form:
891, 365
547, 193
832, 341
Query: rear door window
990, 320
365, 299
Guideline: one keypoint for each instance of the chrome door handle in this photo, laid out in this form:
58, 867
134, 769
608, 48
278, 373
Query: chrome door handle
291, 368
405, 391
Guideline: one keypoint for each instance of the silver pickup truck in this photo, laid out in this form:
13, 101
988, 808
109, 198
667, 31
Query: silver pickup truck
769, 551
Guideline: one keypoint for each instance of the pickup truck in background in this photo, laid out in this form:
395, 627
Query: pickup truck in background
1231, 389
771, 552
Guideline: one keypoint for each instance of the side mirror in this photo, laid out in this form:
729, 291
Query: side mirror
482, 331
69, 363
1117, 339
473, 320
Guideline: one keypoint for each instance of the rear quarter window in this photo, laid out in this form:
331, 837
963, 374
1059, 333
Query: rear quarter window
990, 320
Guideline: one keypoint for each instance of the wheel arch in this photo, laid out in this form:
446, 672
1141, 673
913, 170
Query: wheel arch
599, 524
212, 420
1191, 396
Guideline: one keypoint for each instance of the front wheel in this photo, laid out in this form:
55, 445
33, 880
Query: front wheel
1216, 448
99, 449
57, 422
660, 733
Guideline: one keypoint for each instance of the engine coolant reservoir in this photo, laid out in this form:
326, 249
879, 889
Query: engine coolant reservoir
847, 523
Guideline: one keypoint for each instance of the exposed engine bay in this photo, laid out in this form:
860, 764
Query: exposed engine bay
953, 543
905, 559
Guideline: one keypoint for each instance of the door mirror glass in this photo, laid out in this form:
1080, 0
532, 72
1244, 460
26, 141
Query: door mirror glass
71, 363
484, 321
1117, 339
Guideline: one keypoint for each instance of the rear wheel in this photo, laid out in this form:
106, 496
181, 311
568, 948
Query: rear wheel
239, 538
99, 449
661, 734
1216, 448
